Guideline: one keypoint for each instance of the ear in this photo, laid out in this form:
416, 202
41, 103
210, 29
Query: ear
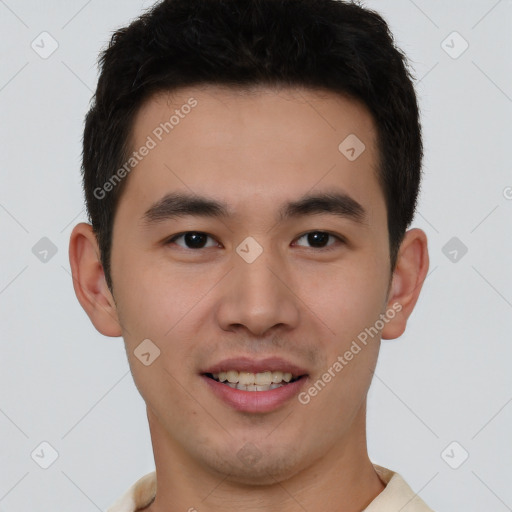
89, 281
408, 277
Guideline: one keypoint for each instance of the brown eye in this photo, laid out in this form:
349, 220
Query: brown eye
192, 240
319, 239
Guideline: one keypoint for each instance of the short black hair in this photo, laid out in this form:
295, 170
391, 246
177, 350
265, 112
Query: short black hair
333, 45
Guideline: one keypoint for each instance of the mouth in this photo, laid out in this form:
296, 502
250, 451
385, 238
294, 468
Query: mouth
248, 381
255, 386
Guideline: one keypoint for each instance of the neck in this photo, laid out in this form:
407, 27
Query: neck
343, 479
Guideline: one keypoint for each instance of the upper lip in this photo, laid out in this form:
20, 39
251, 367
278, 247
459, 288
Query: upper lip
245, 364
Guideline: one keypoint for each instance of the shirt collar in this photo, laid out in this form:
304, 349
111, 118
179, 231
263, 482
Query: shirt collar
397, 496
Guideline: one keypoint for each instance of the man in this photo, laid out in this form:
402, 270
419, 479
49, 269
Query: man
251, 169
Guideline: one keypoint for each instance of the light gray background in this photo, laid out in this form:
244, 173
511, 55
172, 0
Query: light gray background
447, 379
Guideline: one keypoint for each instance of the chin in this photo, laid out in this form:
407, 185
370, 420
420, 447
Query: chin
252, 466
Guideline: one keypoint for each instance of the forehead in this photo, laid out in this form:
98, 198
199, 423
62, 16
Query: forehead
216, 140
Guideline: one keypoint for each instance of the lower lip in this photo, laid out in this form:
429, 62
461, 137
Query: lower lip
255, 401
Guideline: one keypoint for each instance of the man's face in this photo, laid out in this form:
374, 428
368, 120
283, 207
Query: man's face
295, 290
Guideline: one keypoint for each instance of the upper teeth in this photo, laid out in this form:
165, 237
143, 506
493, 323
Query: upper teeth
248, 378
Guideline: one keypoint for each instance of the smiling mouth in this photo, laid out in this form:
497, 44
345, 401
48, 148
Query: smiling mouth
247, 381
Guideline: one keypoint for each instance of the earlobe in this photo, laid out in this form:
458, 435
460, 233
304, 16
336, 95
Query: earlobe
89, 281
408, 278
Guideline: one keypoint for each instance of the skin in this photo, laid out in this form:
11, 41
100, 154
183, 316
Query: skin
303, 303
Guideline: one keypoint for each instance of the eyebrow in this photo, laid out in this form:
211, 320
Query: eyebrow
177, 204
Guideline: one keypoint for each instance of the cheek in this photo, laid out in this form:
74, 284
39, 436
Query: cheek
162, 306
357, 295
347, 296
151, 299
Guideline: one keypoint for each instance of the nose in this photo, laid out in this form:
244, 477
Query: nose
258, 296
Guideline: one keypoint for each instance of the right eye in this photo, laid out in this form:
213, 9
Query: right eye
192, 240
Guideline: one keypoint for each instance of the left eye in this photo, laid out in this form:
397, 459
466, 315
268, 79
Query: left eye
319, 239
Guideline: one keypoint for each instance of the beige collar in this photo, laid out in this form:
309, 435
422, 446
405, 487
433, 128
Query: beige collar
396, 496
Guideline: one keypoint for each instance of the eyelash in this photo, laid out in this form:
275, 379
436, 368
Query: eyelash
326, 248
